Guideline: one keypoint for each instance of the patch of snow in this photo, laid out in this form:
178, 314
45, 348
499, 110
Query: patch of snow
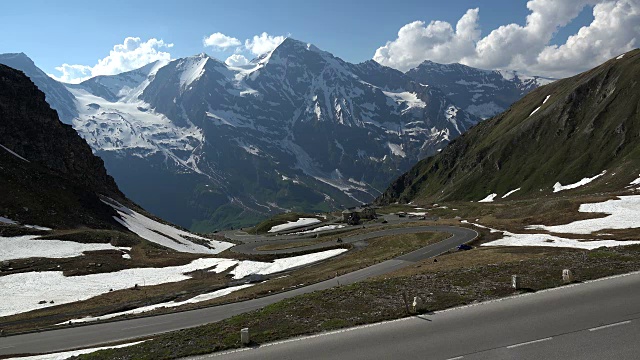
538, 108
36, 227
246, 268
534, 111
417, 213
620, 57
29, 246
5, 220
511, 239
635, 182
510, 192
126, 256
165, 235
69, 354
13, 153
623, 214
169, 304
396, 150
489, 198
294, 224
408, 98
559, 187
321, 228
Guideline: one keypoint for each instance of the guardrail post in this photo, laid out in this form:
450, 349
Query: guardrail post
515, 282
244, 336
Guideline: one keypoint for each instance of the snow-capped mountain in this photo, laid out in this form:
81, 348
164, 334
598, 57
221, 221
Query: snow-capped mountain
206, 145
483, 93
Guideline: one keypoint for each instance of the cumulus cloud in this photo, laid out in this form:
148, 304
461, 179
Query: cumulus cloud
263, 43
220, 41
132, 54
614, 30
236, 60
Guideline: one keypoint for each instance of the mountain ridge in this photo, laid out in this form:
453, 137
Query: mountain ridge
298, 129
572, 129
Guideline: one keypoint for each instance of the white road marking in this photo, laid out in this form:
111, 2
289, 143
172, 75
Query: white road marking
456, 358
7, 347
529, 343
610, 325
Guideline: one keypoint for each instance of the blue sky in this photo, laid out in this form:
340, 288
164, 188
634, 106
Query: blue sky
81, 32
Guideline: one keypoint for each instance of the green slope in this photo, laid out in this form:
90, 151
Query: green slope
590, 123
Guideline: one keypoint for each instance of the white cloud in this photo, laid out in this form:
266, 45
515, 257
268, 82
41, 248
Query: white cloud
263, 43
132, 54
236, 60
220, 41
614, 30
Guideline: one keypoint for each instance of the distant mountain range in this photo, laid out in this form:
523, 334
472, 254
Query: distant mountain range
208, 146
577, 135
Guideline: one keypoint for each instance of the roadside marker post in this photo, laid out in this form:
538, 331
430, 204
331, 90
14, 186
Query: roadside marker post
515, 282
567, 276
245, 339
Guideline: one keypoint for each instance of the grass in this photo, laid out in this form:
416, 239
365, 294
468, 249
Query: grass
291, 245
146, 253
456, 279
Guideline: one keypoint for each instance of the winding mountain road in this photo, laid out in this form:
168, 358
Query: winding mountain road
101, 333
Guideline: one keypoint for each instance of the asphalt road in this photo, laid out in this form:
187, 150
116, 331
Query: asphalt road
95, 334
594, 320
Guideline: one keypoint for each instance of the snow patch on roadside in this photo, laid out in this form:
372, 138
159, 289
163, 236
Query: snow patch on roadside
294, 224
246, 268
321, 228
69, 354
169, 304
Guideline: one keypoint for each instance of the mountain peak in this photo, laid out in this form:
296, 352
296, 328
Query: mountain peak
17, 57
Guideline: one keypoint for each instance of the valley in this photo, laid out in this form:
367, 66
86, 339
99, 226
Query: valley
456, 195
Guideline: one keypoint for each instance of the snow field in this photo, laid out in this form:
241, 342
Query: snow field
22, 292
28, 246
165, 235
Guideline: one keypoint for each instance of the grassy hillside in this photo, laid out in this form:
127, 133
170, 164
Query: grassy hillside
589, 123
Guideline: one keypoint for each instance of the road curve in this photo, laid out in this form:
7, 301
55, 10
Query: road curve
96, 334
594, 320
